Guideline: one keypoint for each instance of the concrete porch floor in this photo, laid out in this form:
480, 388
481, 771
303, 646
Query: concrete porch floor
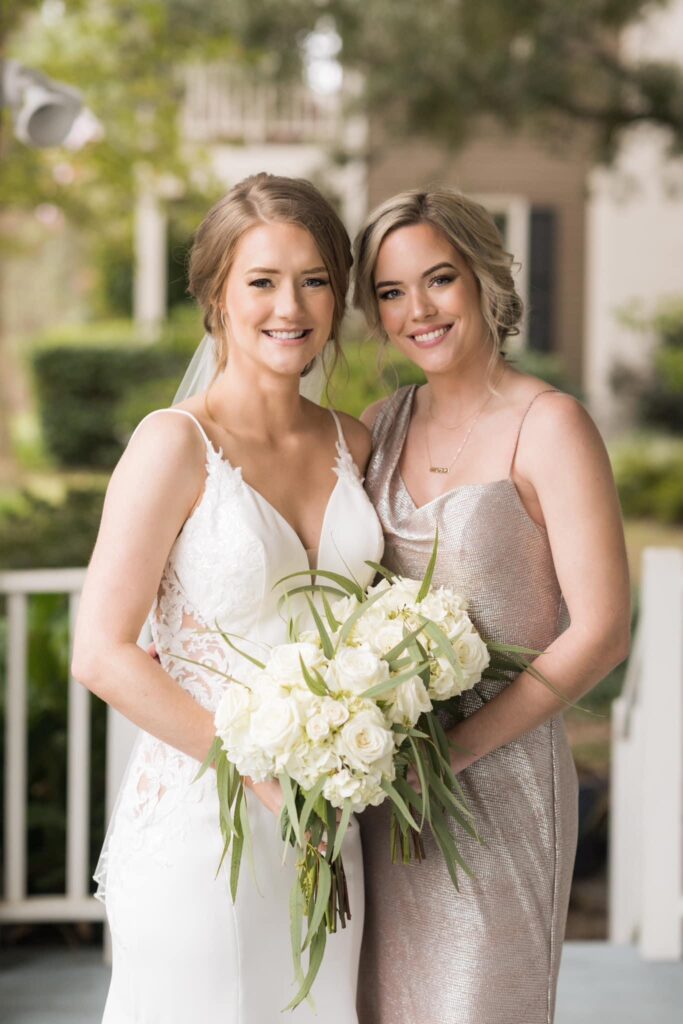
599, 984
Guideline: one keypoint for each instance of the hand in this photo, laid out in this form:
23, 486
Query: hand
152, 651
269, 793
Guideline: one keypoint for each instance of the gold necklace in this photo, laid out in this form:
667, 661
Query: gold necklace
446, 469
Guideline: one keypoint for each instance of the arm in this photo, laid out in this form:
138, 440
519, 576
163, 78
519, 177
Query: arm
563, 458
148, 500
151, 494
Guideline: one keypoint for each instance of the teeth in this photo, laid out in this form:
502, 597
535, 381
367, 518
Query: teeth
432, 335
285, 335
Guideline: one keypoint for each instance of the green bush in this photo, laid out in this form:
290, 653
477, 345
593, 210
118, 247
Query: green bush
80, 391
40, 534
650, 481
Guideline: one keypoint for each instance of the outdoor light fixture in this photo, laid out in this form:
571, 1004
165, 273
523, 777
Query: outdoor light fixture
43, 111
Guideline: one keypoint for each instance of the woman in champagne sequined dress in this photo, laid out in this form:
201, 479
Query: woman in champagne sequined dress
515, 477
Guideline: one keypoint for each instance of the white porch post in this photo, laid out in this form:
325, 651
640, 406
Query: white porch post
149, 286
661, 928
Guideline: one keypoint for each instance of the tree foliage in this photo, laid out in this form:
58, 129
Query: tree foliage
434, 69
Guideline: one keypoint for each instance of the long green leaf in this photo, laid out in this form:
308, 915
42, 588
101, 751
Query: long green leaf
387, 685
341, 829
309, 802
234, 647
399, 803
296, 919
422, 776
427, 581
382, 570
213, 755
314, 962
290, 804
314, 681
322, 896
447, 842
444, 647
406, 642
246, 837
329, 614
350, 586
326, 643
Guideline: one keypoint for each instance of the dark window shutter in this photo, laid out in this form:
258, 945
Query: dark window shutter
542, 258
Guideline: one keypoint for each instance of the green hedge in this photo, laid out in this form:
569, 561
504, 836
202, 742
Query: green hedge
80, 391
650, 481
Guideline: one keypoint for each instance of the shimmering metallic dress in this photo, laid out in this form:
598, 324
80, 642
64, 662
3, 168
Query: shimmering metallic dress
491, 953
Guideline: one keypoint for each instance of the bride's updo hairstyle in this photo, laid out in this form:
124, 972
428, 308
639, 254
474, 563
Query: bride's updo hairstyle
470, 229
265, 199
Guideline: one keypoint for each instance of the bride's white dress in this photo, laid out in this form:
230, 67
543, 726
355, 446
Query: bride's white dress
182, 952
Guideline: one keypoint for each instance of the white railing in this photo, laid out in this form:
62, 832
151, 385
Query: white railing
646, 813
231, 104
75, 904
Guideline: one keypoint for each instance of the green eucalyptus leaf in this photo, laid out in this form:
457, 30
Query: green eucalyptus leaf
325, 641
431, 565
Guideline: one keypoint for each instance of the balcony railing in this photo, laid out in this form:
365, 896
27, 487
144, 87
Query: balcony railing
75, 903
228, 104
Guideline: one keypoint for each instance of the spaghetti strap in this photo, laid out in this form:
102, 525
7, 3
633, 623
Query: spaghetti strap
547, 391
182, 412
340, 432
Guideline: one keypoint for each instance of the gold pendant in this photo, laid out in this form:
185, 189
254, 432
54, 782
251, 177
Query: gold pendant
438, 469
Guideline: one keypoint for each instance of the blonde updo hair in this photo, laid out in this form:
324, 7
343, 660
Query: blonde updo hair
264, 199
470, 229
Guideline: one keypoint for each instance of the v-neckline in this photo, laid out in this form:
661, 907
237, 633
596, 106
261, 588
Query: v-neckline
452, 490
283, 519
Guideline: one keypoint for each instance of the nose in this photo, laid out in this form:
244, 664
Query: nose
421, 304
288, 303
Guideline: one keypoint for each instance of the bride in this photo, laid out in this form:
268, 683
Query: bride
212, 503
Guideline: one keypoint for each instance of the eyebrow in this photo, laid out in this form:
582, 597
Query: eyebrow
437, 266
273, 270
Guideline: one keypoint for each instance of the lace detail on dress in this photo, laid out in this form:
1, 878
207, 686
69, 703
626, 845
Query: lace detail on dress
344, 465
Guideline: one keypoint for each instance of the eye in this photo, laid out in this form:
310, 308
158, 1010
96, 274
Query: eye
316, 282
390, 293
442, 279
261, 282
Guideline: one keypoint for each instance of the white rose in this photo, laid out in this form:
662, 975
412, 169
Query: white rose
435, 606
276, 726
368, 624
365, 740
472, 653
409, 701
344, 608
443, 683
371, 791
317, 727
456, 624
284, 665
233, 713
256, 764
335, 712
387, 636
357, 669
340, 786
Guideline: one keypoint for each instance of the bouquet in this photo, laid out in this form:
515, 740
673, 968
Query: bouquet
340, 715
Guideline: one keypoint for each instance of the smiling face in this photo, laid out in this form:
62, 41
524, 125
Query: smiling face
428, 299
278, 304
